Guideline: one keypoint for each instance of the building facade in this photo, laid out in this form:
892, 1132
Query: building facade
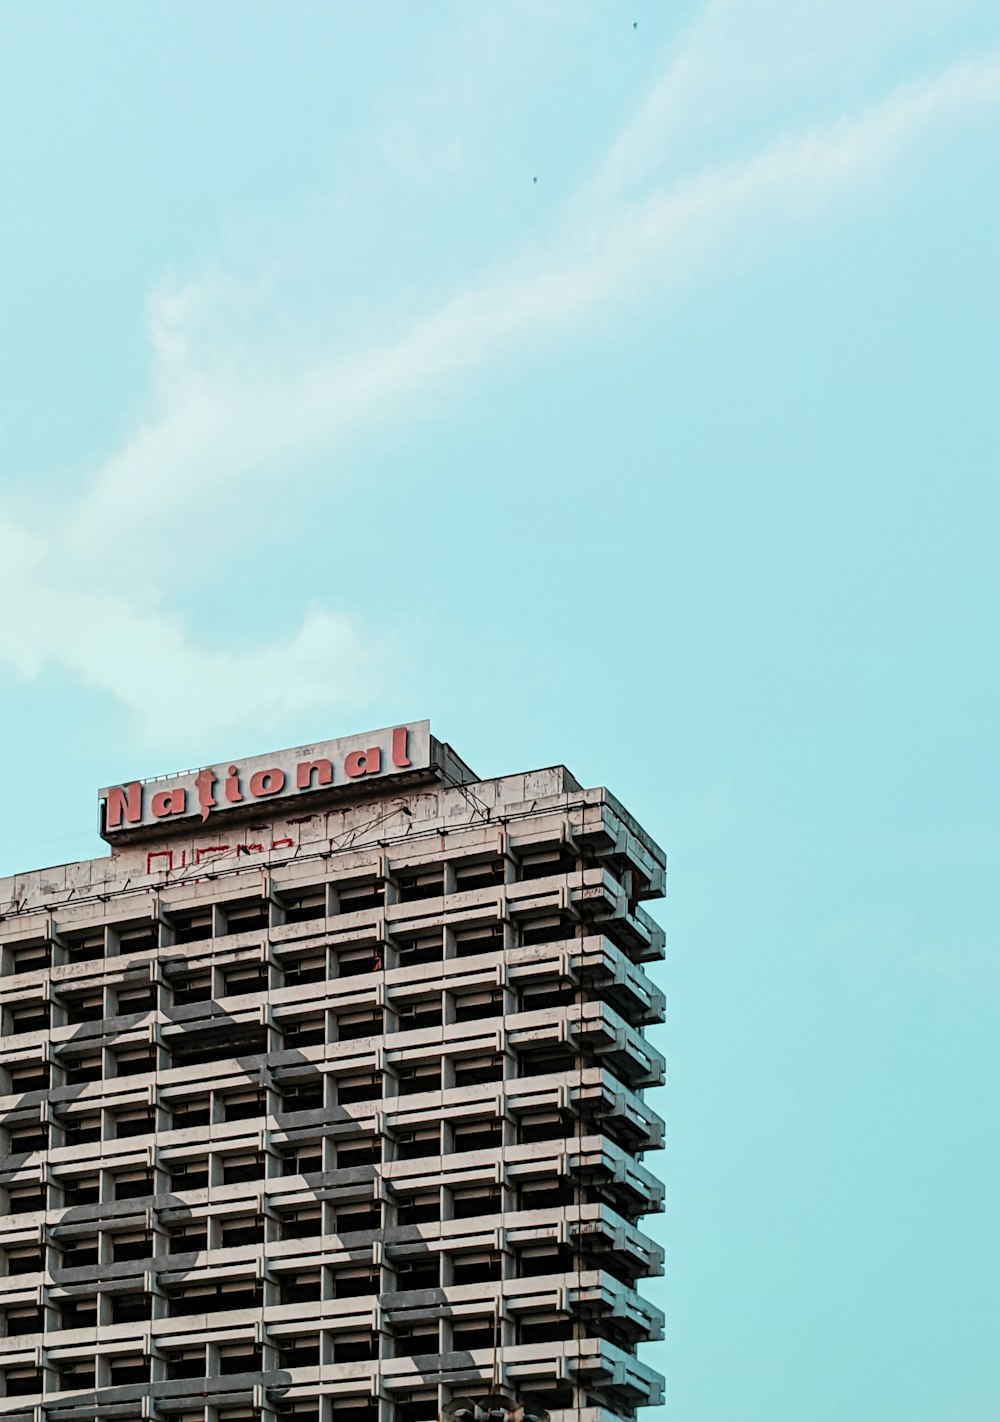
321, 1098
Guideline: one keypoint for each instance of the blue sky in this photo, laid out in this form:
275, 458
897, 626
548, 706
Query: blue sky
678, 465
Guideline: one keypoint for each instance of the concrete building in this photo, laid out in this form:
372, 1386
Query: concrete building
321, 1099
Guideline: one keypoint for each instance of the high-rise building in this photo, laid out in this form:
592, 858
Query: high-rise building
321, 1099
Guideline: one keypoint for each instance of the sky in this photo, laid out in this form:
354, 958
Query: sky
616, 386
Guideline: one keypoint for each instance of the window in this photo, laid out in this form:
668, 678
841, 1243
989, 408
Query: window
129, 1369
414, 885
302, 1224
131, 1246
301, 1288
352, 898
78, 1313
25, 1261
21, 1321
354, 1347
477, 1135
304, 1031
310, 968
546, 1195
84, 1190
538, 997
189, 1238
130, 1308
136, 999
29, 1076
30, 957
471, 1006
303, 1160
305, 904
418, 1016
80, 1252
189, 1175
304, 1095
24, 1199
237, 1168
192, 926
362, 1150
414, 1339
468, 1334
243, 1106
27, 1137
213, 1298
475, 1071
543, 864
544, 1126
355, 1283
195, 1111
30, 1017
85, 947
247, 978
232, 1041
135, 1061
76, 1374
354, 962
476, 1268
418, 1407
237, 1233
80, 1070
418, 1271
551, 928
135, 1123
418, 1209
239, 1358
470, 942
20, 1382
192, 987
416, 1145
552, 1259
300, 1351
411, 1080
134, 1185
474, 1203
358, 1088
426, 948
247, 916
546, 1063
188, 1363
354, 1025
361, 1215
543, 1328
485, 875
137, 938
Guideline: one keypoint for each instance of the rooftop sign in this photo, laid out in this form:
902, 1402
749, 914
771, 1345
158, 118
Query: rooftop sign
197, 795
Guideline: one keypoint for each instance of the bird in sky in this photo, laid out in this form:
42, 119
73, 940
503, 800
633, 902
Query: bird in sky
535, 181
635, 24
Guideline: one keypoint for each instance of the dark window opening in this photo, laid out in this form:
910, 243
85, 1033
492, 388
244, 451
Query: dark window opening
192, 927
139, 939
305, 1160
131, 1000
551, 1126
412, 951
30, 1076
21, 1321
188, 1238
305, 1032
192, 987
352, 898
414, 1340
411, 1081
237, 1041
131, 1246
355, 1283
130, 1308
550, 1063
358, 1088
470, 1007
551, 929
413, 887
476, 1268
300, 1288
470, 1204
301, 1352
79, 1253
25, 1200
476, 1071
85, 948
136, 1123
543, 996
302, 1224
244, 1358
351, 1218
354, 962
24, 1140
85, 1190
302, 1095
188, 1364
248, 978
135, 1063
305, 904
189, 1175
80, 1070
416, 1409
354, 1347
31, 1017
546, 1195
418, 1271
237, 1233
486, 875
478, 1135
351, 1026
468, 1334
243, 1107
133, 1187
247, 917
25, 1261
367, 1151
76, 1375
417, 1145
30, 957
20, 1382
546, 863
417, 1016
305, 970
469, 943
534, 1263
78, 1313
238, 1168
213, 1298
418, 1209
186, 1115
129, 1370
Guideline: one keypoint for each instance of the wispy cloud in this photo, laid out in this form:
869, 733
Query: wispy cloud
226, 419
